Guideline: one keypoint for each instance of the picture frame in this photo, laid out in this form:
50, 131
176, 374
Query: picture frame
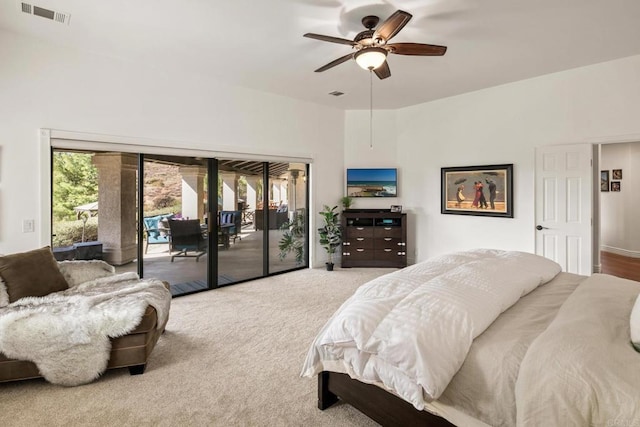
396, 208
615, 186
604, 180
616, 174
477, 190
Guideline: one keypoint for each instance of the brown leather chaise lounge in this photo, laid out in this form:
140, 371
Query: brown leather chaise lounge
131, 350
36, 274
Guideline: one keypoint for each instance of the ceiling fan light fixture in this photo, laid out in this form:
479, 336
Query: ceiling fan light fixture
371, 58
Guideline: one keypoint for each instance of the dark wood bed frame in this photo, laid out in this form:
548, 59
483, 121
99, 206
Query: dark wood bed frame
376, 403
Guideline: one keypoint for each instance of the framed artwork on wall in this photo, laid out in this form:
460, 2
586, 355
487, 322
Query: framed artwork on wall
477, 190
615, 185
604, 180
616, 174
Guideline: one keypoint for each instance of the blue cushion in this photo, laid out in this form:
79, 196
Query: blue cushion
152, 224
226, 218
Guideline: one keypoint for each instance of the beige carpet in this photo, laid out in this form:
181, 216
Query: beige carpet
229, 357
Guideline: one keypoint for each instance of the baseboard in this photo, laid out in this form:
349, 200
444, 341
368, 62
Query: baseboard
620, 251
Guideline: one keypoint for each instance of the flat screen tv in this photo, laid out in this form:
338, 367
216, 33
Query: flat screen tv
379, 182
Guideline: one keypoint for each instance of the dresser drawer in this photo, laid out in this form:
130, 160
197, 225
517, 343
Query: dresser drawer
389, 254
355, 231
382, 231
359, 242
394, 243
357, 254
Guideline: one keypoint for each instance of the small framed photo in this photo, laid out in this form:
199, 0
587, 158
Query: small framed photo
396, 208
615, 185
604, 180
616, 174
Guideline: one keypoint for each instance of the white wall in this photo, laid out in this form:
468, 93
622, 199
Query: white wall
620, 227
45, 86
498, 125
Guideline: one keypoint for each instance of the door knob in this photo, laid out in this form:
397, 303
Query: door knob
539, 227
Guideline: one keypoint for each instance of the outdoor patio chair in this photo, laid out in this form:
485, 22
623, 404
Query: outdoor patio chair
187, 239
234, 218
155, 230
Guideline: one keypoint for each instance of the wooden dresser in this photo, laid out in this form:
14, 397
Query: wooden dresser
374, 238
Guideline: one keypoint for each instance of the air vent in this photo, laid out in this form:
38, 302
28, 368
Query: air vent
53, 15
336, 93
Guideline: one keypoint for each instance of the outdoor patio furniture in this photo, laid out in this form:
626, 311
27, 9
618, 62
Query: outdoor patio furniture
155, 230
233, 221
187, 239
276, 219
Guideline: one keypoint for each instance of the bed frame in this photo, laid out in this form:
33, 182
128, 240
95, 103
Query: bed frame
376, 403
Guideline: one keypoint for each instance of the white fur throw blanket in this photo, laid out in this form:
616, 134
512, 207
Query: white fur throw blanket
66, 334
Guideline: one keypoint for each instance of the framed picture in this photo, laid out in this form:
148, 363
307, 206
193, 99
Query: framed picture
604, 180
616, 174
396, 208
477, 190
615, 185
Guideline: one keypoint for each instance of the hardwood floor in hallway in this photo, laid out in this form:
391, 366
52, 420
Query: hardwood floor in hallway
619, 265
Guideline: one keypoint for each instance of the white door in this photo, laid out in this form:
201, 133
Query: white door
564, 224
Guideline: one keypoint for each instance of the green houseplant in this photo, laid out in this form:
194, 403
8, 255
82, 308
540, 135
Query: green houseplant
330, 233
347, 202
292, 240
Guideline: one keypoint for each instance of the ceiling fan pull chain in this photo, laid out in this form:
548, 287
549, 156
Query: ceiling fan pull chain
371, 109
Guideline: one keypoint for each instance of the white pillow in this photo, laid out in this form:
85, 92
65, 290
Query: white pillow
76, 272
635, 324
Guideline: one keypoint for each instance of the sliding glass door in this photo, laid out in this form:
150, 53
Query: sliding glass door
174, 222
193, 222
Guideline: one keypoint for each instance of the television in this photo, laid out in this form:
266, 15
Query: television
379, 182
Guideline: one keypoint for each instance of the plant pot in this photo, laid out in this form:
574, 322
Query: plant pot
329, 266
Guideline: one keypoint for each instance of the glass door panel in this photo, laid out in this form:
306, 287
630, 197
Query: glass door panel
174, 222
94, 207
240, 235
287, 216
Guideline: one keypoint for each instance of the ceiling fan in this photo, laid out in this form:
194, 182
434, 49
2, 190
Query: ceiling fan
372, 46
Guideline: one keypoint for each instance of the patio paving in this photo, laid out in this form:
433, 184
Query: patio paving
242, 261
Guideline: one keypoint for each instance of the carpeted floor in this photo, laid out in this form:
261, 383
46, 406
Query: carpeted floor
229, 357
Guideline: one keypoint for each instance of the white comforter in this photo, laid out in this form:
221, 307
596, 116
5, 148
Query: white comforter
411, 330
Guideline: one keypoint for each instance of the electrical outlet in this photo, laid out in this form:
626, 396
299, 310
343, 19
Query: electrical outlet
28, 226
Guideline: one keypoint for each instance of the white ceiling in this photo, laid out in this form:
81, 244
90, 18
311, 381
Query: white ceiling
259, 43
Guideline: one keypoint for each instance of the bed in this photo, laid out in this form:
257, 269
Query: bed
483, 338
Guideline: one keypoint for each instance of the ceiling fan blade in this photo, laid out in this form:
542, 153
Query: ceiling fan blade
392, 25
383, 71
330, 39
335, 62
420, 49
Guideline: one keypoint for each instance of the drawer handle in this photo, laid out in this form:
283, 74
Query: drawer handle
359, 239
347, 244
387, 250
387, 228
387, 239
359, 249
346, 253
360, 228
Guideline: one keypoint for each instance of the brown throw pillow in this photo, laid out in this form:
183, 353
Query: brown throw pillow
31, 274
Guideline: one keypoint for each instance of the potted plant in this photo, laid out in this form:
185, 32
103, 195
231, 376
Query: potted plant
346, 201
292, 240
330, 233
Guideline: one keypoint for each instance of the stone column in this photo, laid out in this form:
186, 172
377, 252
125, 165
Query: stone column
252, 192
229, 191
276, 190
193, 191
117, 213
